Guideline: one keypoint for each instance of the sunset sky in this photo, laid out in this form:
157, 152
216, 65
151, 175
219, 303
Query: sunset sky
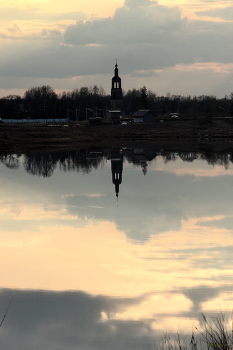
182, 47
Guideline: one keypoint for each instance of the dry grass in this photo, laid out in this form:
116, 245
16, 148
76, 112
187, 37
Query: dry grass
216, 333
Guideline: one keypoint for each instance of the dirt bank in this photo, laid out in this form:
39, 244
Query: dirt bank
183, 134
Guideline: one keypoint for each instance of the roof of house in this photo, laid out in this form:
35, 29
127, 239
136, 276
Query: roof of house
140, 158
141, 113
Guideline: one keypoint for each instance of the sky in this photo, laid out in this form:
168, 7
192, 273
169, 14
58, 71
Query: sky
181, 47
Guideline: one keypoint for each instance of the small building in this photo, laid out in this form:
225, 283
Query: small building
145, 116
147, 154
115, 116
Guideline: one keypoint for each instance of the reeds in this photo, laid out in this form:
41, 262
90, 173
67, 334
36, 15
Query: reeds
218, 334
5, 314
215, 333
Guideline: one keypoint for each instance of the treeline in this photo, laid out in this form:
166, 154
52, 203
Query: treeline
43, 102
136, 99
80, 104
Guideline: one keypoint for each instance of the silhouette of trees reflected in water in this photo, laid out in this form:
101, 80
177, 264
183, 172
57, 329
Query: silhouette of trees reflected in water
85, 160
44, 164
212, 158
11, 161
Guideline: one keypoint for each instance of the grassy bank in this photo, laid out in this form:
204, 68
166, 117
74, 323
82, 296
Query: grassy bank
185, 134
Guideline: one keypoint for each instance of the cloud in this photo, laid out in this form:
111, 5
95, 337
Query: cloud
144, 36
129, 25
135, 227
41, 319
69, 320
200, 294
13, 31
32, 23
221, 222
138, 3
225, 13
33, 13
51, 34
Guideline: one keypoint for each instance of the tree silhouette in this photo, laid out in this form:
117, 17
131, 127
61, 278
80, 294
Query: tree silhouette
144, 98
41, 101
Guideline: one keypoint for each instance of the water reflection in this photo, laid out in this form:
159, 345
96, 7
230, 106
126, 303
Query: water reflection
85, 272
85, 160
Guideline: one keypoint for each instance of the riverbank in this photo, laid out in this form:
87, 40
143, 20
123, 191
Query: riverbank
186, 134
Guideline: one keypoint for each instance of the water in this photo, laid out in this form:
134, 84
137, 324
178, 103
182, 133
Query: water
108, 249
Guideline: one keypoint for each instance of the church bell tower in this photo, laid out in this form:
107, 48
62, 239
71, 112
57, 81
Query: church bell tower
116, 91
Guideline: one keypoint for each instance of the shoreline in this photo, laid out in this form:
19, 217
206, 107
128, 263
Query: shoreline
185, 135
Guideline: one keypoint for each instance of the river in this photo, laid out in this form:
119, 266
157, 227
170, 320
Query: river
105, 249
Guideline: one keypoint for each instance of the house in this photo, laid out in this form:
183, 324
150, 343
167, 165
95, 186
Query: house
144, 155
145, 116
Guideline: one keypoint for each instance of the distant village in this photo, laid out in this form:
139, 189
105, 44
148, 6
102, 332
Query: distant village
93, 105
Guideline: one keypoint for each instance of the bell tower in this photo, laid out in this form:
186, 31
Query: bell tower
116, 91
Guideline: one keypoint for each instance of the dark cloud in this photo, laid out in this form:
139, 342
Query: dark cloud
52, 60
69, 320
148, 23
139, 3
154, 209
146, 37
152, 216
50, 320
198, 295
201, 294
226, 223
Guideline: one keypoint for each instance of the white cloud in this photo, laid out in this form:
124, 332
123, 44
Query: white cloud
33, 13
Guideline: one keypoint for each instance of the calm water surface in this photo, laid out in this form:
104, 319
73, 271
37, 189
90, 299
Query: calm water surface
107, 249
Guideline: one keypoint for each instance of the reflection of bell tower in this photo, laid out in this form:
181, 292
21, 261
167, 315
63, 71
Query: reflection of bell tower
117, 168
116, 91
